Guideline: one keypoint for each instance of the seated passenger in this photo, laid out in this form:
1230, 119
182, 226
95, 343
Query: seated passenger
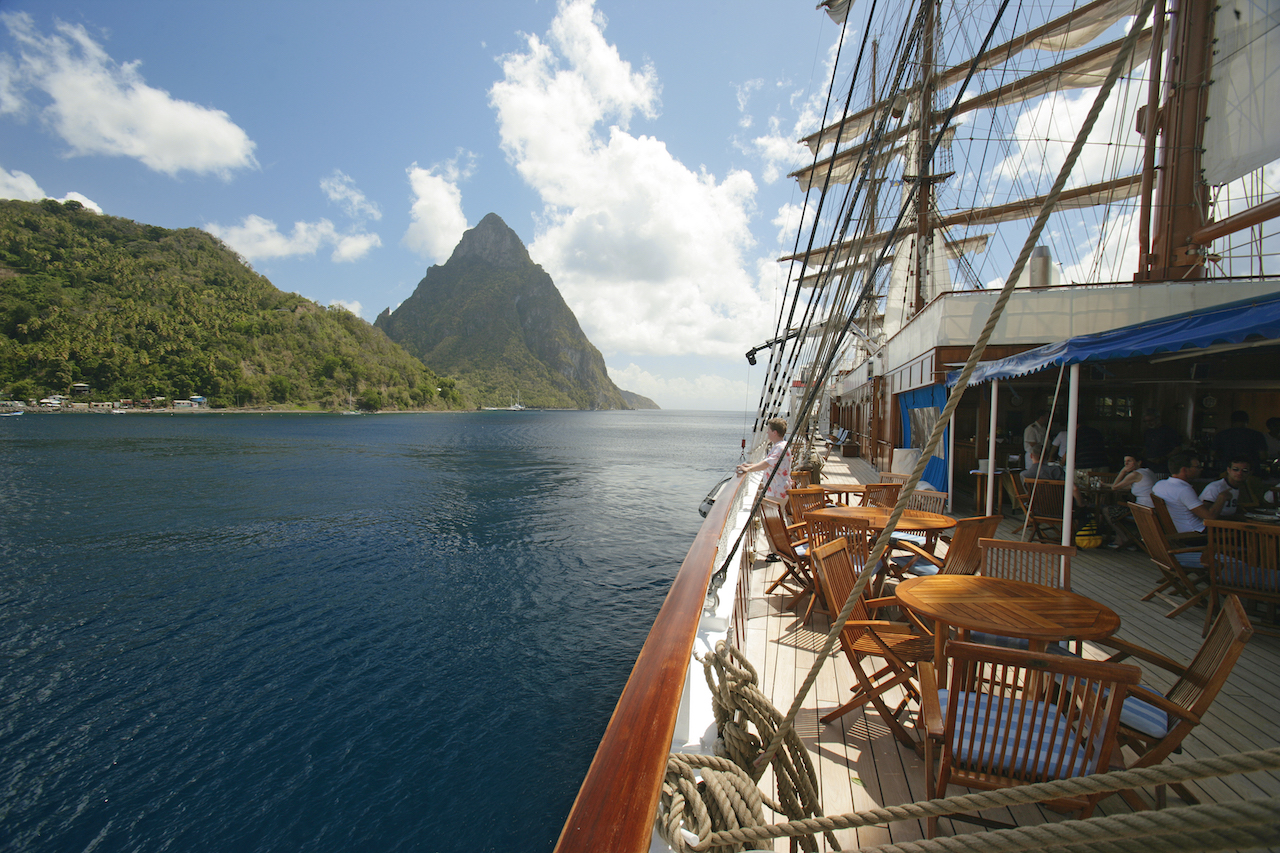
1186, 509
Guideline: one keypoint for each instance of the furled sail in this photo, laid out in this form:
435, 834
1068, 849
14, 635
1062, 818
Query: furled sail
1069, 31
1076, 73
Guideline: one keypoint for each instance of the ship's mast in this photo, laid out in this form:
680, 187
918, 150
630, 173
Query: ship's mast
924, 185
1182, 196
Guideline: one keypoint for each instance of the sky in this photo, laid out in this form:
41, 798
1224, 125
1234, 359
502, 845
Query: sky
638, 150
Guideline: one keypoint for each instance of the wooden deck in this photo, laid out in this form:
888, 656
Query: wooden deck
860, 765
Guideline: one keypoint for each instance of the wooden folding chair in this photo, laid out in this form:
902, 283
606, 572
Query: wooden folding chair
1014, 718
789, 542
1032, 562
1183, 580
881, 494
901, 645
1044, 509
801, 500
927, 500
1171, 531
962, 558
1244, 560
1154, 725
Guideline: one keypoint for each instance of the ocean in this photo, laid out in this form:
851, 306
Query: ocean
327, 633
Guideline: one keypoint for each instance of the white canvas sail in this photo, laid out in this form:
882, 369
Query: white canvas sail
1243, 130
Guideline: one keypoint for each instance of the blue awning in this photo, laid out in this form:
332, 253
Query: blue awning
1232, 323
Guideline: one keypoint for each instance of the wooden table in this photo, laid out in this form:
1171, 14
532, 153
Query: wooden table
1041, 614
877, 517
844, 491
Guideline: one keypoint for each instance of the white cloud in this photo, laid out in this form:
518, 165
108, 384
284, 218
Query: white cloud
341, 190
353, 247
437, 218
701, 391
352, 306
21, 186
85, 200
100, 106
256, 238
648, 252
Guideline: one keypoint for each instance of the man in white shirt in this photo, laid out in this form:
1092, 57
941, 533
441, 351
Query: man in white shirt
1034, 434
1185, 507
1230, 484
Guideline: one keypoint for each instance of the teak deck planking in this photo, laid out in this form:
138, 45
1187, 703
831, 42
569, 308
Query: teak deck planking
861, 765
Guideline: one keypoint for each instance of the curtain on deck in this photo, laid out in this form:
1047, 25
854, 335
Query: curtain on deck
920, 409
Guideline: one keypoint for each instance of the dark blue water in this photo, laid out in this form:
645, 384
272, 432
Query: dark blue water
396, 632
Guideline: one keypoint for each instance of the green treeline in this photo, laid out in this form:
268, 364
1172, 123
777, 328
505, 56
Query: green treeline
138, 311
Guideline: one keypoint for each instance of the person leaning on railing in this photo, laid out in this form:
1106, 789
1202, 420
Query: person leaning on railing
776, 457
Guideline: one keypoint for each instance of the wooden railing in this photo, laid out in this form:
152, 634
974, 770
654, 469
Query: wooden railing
616, 804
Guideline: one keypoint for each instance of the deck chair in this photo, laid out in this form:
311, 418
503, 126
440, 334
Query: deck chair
1032, 562
900, 645
962, 557
927, 500
1183, 581
792, 548
801, 500
890, 477
801, 479
1244, 560
881, 494
1043, 507
1171, 531
1154, 725
1012, 717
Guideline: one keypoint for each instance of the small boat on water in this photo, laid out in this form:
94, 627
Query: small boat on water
11, 414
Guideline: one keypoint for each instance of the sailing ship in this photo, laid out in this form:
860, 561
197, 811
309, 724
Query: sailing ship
940, 151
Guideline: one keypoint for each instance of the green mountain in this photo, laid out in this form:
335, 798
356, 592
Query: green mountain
138, 311
494, 318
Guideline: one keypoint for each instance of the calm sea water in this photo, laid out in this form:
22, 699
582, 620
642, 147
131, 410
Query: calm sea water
395, 632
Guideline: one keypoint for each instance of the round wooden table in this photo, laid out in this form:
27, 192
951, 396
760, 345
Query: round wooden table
876, 517
1041, 614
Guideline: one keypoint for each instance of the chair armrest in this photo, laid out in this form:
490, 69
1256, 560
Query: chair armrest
1199, 550
882, 626
1125, 649
889, 601
917, 551
1159, 701
930, 708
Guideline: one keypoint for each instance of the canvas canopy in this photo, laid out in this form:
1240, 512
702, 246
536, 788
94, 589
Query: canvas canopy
1245, 321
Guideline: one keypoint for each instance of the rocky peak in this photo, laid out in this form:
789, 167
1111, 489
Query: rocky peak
492, 240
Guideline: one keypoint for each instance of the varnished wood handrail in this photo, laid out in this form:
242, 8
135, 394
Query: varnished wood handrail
618, 799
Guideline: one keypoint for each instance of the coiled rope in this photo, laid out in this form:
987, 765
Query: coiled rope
1207, 826
727, 797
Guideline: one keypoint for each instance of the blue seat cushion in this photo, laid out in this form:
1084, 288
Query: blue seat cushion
1018, 643
913, 538
1021, 720
1190, 560
1144, 717
1238, 573
801, 550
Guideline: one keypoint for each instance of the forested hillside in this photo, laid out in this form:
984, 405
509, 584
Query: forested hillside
138, 311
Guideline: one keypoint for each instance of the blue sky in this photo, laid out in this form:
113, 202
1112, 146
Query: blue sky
639, 150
